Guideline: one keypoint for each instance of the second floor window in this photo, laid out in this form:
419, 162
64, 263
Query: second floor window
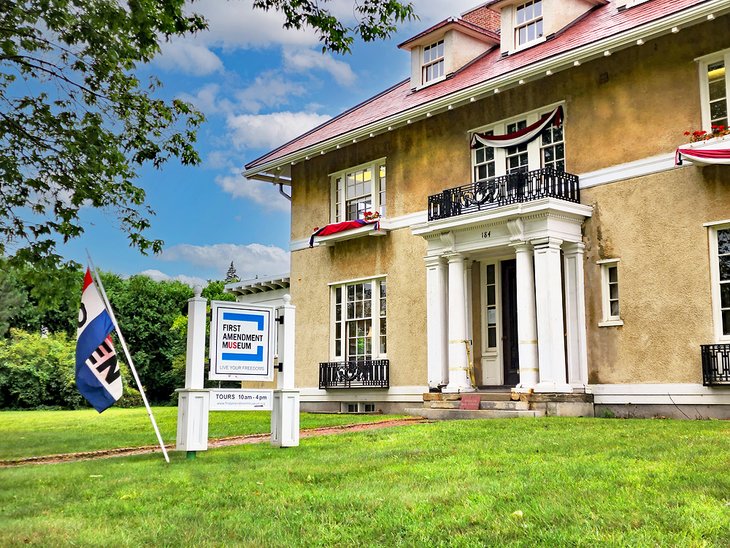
433, 62
547, 151
528, 22
715, 86
358, 190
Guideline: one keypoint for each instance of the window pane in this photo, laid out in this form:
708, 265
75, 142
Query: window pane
723, 241
725, 268
718, 109
613, 291
726, 322
491, 298
613, 274
490, 274
614, 308
717, 90
725, 295
491, 316
492, 337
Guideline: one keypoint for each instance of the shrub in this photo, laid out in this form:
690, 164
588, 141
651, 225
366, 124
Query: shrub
39, 372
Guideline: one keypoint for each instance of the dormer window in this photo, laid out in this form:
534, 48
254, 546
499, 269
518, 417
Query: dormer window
433, 62
528, 22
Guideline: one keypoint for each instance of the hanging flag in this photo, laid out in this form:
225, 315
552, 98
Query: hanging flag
521, 136
97, 371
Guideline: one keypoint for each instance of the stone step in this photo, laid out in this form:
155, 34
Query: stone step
458, 414
484, 405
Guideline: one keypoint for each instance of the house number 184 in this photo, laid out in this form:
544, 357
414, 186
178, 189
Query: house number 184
486, 234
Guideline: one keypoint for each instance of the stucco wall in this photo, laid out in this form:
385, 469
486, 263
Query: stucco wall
655, 226
400, 256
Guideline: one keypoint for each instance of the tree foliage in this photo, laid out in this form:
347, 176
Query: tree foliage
37, 372
376, 20
148, 313
76, 122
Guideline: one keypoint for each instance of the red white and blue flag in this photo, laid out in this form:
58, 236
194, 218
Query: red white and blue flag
97, 371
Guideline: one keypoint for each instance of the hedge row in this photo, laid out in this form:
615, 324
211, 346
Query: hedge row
38, 372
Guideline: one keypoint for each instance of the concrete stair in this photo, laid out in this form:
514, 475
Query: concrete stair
504, 404
459, 414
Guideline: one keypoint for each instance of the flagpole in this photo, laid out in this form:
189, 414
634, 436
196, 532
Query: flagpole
127, 354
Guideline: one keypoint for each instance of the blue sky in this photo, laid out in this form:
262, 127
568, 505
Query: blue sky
259, 85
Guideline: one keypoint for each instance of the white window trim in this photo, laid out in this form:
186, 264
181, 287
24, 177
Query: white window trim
517, 46
608, 320
375, 318
422, 53
702, 63
715, 279
374, 193
534, 160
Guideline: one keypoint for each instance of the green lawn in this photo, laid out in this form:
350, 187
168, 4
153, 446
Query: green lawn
555, 482
37, 433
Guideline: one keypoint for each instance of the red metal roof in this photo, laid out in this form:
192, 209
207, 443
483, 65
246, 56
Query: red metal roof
601, 22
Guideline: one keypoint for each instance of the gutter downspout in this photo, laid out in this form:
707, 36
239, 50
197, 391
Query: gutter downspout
281, 188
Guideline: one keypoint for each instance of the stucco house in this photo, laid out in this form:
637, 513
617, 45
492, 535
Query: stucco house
511, 219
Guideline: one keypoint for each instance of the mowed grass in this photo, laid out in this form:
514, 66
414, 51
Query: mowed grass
551, 482
38, 433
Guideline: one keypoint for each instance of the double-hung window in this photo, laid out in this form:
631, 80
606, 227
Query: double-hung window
432, 67
720, 277
358, 190
610, 293
546, 151
359, 320
715, 83
528, 22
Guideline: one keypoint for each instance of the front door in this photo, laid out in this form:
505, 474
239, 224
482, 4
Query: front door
510, 352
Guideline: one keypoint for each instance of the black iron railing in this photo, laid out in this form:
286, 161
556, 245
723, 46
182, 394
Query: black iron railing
354, 374
715, 364
520, 186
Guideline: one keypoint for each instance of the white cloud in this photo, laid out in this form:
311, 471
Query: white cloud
159, 276
271, 130
269, 89
189, 57
235, 24
264, 194
306, 60
250, 260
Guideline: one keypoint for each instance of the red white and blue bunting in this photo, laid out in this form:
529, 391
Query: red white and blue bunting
524, 135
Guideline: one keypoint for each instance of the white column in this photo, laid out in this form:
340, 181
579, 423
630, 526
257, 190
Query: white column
195, 355
286, 404
285, 344
193, 401
550, 333
526, 313
575, 314
458, 361
438, 364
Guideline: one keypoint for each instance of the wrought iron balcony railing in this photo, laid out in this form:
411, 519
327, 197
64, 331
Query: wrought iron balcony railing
354, 374
520, 186
715, 364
